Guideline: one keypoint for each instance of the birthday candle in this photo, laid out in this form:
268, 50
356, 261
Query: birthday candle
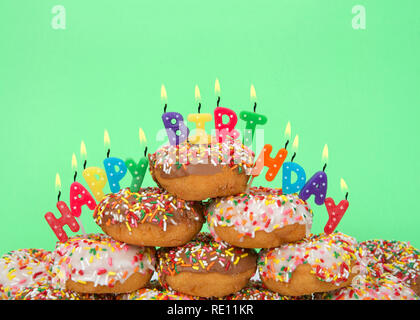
317, 184
174, 124
115, 169
252, 119
79, 197
200, 120
273, 164
288, 168
66, 217
96, 180
95, 177
138, 170
335, 212
225, 129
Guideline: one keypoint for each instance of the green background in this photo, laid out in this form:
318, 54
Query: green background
356, 90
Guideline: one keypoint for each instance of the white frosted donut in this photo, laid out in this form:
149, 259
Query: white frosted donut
332, 258
23, 268
260, 209
365, 287
99, 260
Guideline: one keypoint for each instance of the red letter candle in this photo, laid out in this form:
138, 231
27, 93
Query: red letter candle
335, 213
66, 219
225, 129
79, 197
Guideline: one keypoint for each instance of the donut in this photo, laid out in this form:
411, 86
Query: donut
318, 263
260, 218
206, 268
255, 291
150, 217
366, 287
23, 268
154, 291
201, 171
96, 263
396, 257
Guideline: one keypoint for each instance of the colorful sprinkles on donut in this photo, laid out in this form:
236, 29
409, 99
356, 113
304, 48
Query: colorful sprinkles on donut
366, 287
203, 254
261, 208
396, 257
149, 205
99, 259
23, 268
231, 153
330, 257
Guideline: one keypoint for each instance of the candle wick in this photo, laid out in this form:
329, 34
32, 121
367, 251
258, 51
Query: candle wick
145, 151
325, 165
164, 108
287, 143
294, 155
255, 106
107, 154
218, 100
75, 175
347, 194
59, 195
84, 164
199, 107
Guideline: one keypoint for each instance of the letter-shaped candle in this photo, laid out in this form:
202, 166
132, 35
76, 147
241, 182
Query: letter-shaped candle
225, 129
114, 175
316, 186
96, 179
287, 185
273, 164
138, 171
66, 219
335, 213
200, 119
79, 197
176, 129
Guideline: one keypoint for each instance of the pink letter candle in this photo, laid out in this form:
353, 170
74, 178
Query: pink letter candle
79, 197
228, 128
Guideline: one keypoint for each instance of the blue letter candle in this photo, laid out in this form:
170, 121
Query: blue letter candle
114, 176
289, 187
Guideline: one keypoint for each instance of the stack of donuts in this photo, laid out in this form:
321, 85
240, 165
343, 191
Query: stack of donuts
259, 244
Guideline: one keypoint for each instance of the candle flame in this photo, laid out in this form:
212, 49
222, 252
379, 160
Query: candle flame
253, 93
197, 93
107, 140
142, 136
57, 182
288, 131
163, 94
83, 151
295, 144
74, 162
217, 87
325, 153
343, 185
